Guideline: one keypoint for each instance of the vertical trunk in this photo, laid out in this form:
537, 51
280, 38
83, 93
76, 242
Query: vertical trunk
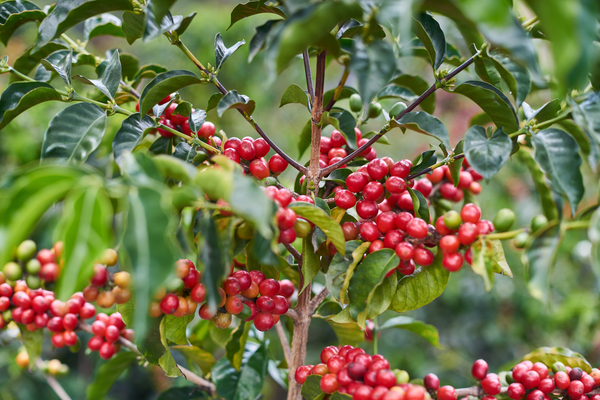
314, 171
299, 339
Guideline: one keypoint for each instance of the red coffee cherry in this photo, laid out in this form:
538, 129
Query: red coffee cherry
561, 380
392, 239
95, 343
479, 369
281, 305
264, 321
424, 186
350, 230
423, 257
372, 191
337, 139
336, 152
405, 202
449, 244
169, 303
356, 181
328, 352
491, 384
98, 328
386, 221
516, 391
366, 209
111, 334
261, 147
547, 385
265, 303
402, 220
243, 278
467, 233
375, 246
231, 286
453, 262
198, 293
233, 305
329, 383
325, 145
259, 168
446, 393
470, 213
253, 310
343, 377
335, 363
395, 184
377, 169
535, 395
46, 256
192, 279
100, 275
405, 251
369, 231
448, 191
575, 389
232, 154
588, 383
401, 169
302, 373
417, 228
269, 287
247, 150
232, 143
58, 341
386, 378
531, 380
344, 199
277, 164
107, 350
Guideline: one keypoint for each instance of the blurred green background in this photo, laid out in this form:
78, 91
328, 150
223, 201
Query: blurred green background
500, 326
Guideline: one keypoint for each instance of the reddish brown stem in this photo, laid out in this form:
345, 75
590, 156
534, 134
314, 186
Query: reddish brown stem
314, 171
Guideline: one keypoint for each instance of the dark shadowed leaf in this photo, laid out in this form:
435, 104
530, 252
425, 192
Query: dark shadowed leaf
426, 331
15, 13
130, 134
431, 35
222, 52
485, 155
539, 257
251, 8
163, 85
424, 123
234, 100
420, 205
418, 86
260, 37
104, 24
237, 343
160, 8
21, 96
108, 373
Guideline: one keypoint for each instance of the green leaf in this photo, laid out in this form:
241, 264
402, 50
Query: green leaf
222, 53
418, 86
421, 287
155, 27
68, 13
311, 262
201, 358
586, 115
62, 68
166, 361
75, 133
487, 156
185, 152
426, 331
237, 343
149, 245
357, 256
466, 26
374, 66
310, 26
420, 205
346, 123
104, 24
379, 299
493, 102
516, 77
424, 123
304, 141
251, 8
260, 37
185, 23
557, 153
15, 13
133, 26
196, 119
160, 8
431, 35
294, 94
340, 396
234, 100
130, 135
425, 160
348, 333
550, 355
33, 342
26, 199
367, 275
311, 389
327, 224
456, 165
85, 229
546, 112
163, 85
109, 80
247, 383
28, 61
21, 96
175, 328
108, 373
488, 258
539, 257
539, 180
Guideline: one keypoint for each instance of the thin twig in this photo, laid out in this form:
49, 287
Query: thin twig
187, 374
53, 383
129, 89
287, 351
295, 253
316, 301
309, 81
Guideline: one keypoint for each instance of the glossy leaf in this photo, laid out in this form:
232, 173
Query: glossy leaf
339, 267
130, 135
251, 8
587, 116
21, 96
85, 230
33, 342
108, 373
247, 383
455, 166
493, 102
550, 355
155, 27
547, 201
318, 217
431, 35
488, 259
237, 343
547, 111
557, 153
260, 37
75, 133
346, 124
222, 53
418, 86
423, 123
160, 8
14, 13
466, 26
539, 257
421, 287
185, 23
201, 358
294, 94
163, 85
175, 328
379, 300
420, 205
196, 119
234, 100
68, 13
133, 26
516, 76
62, 67
426, 331
485, 155
311, 262
374, 66
166, 360
311, 389
110, 78
28, 60
348, 333
104, 24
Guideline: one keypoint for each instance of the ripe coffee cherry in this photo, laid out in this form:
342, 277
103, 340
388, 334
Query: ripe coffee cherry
69, 321
58, 341
575, 374
448, 191
337, 139
232, 154
470, 213
205, 312
234, 305
350, 230
561, 380
366, 209
28, 317
395, 184
369, 231
386, 221
356, 370
192, 279
286, 288
423, 257
98, 328
392, 239
283, 197
111, 334
467, 233
547, 385
264, 321
243, 278
377, 169
262, 147
287, 236
329, 383
531, 380
356, 181
302, 373
479, 369
259, 168
281, 305
491, 384
379, 364
265, 303
372, 191
449, 244
344, 199
375, 246
402, 220
46, 256
343, 378
328, 352
446, 393
516, 391
100, 275
536, 395
231, 286
253, 310
417, 228
386, 378
269, 287
405, 251
6, 290
336, 152
198, 293
107, 350
277, 164
247, 150
169, 303
325, 145
401, 169
452, 262
335, 363
95, 343
432, 382
257, 277
424, 186
575, 389
405, 202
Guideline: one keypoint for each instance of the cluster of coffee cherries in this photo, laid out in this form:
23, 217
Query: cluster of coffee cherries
251, 297
250, 153
350, 370
38, 271
52, 367
107, 330
106, 288
181, 294
335, 148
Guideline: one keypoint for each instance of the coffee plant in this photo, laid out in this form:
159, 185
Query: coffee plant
183, 222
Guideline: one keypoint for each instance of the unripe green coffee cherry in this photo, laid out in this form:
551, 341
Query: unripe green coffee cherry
75, 348
26, 250
13, 271
521, 240
444, 204
200, 157
245, 314
558, 366
538, 222
270, 181
355, 102
174, 284
302, 228
504, 219
33, 281
245, 231
397, 109
375, 110
7, 315
401, 376
452, 220
33, 266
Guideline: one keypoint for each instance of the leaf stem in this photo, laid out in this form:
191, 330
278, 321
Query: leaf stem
576, 225
504, 235
25, 77
550, 122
